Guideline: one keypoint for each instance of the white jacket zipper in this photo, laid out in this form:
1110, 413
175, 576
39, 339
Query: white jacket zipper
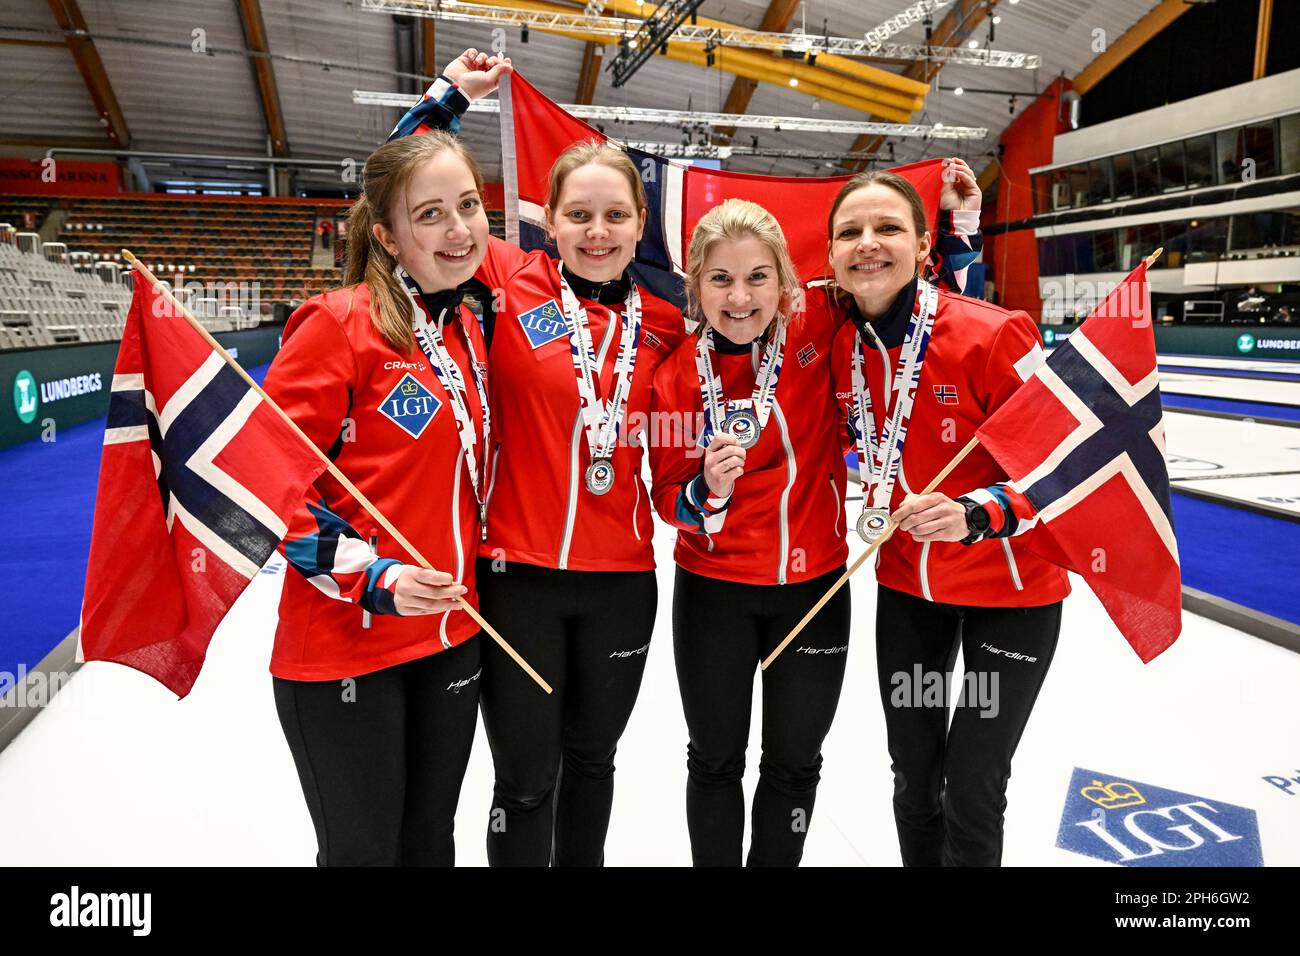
455, 532
839, 505
924, 569
1011, 564
571, 514
791, 470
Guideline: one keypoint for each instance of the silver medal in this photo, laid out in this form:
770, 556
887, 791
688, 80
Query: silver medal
600, 476
872, 524
743, 426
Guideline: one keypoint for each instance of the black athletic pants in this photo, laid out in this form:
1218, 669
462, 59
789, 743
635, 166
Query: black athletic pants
721, 631
950, 782
381, 757
586, 633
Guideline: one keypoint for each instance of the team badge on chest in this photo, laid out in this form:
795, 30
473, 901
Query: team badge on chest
410, 406
543, 324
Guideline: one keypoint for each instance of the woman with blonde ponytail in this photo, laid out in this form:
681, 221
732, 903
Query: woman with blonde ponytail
375, 670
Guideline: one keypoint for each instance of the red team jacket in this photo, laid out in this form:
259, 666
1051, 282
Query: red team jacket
387, 422
979, 354
539, 510
784, 522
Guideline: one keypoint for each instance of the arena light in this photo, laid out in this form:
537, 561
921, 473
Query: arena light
627, 114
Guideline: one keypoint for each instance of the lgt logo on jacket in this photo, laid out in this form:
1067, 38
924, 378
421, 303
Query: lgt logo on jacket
1132, 823
410, 406
543, 324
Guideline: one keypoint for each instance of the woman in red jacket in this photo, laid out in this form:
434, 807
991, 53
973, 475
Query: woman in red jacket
566, 572
761, 530
757, 499
923, 369
375, 670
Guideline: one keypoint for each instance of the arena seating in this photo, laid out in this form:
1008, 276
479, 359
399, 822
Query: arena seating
50, 303
183, 239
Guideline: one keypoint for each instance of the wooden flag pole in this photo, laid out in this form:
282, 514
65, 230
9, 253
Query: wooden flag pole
875, 545
329, 465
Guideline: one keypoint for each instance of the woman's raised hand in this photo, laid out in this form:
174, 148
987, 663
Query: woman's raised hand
960, 188
477, 74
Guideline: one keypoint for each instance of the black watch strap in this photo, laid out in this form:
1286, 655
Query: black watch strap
977, 521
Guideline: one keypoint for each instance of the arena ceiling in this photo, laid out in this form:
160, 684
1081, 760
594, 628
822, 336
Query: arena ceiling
254, 77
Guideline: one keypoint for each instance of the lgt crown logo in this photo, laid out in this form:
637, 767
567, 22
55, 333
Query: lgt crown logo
1113, 796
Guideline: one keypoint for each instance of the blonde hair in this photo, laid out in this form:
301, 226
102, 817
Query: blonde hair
384, 179
594, 152
733, 220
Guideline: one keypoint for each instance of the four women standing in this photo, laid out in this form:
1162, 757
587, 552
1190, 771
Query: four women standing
565, 568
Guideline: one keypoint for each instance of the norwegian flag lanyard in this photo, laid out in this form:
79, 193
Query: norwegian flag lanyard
743, 420
879, 461
602, 419
428, 333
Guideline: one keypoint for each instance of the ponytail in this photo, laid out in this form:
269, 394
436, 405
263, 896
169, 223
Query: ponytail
370, 263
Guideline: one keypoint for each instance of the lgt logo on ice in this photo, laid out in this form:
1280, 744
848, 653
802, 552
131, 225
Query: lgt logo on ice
410, 406
1132, 823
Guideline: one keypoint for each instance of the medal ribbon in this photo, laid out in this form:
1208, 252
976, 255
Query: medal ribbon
879, 461
603, 420
428, 333
765, 382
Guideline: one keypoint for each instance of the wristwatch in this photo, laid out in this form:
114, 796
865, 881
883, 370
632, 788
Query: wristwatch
977, 521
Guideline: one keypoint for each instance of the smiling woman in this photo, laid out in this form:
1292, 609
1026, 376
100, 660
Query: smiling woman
385, 376
925, 367
422, 208
759, 534
596, 211
567, 567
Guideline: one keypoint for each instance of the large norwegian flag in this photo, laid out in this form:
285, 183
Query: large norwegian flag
1084, 440
535, 131
196, 483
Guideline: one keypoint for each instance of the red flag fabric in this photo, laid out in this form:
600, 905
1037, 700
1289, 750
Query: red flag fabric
196, 483
1083, 439
535, 131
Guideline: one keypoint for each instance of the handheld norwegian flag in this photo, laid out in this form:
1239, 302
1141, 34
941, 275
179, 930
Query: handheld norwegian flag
196, 483
1083, 439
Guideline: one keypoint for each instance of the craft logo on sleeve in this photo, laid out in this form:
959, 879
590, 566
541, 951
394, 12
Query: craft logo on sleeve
1131, 823
25, 400
410, 406
543, 324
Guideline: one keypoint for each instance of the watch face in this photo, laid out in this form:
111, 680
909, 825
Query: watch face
977, 519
